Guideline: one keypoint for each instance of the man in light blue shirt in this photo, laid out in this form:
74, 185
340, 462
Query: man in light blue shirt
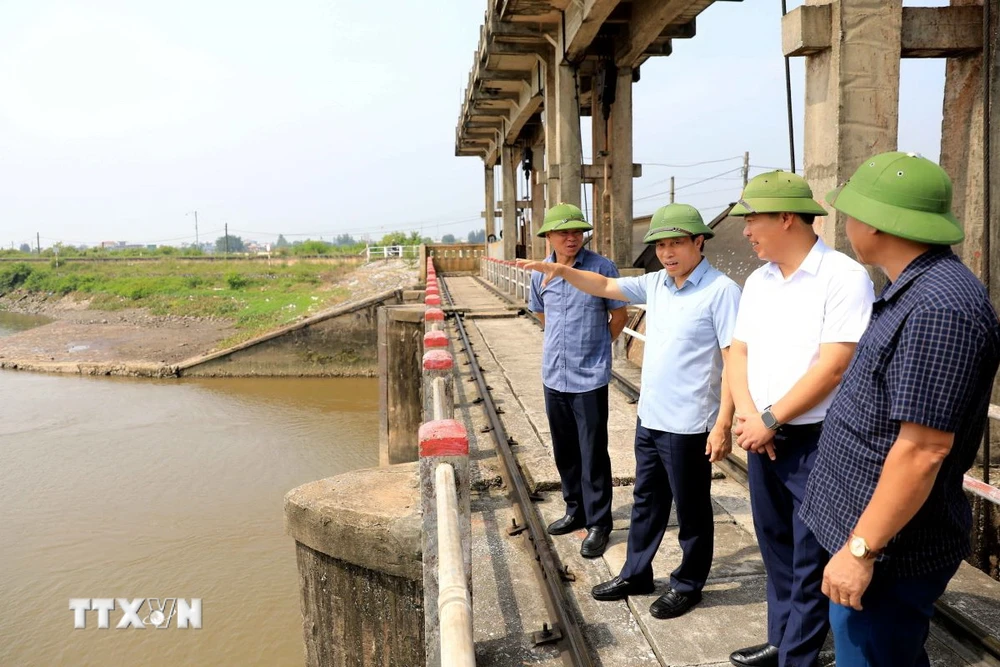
576, 370
685, 409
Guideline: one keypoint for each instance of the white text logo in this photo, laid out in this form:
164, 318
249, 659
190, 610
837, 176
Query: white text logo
138, 613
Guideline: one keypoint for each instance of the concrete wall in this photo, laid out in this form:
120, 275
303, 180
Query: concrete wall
456, 257
340, 342
358, 547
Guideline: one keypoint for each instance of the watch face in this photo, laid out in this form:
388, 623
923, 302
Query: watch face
858, 547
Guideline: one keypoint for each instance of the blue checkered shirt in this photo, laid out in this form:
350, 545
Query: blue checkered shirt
928, 357
576, 350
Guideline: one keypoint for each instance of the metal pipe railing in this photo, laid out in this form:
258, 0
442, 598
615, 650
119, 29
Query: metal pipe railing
454, 603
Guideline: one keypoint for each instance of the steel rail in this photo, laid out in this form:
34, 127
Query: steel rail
547, 560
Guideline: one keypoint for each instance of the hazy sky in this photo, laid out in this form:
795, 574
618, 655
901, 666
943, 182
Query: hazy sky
315, 118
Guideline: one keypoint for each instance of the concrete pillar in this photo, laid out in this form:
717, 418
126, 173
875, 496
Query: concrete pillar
509, 170
962, 148
621, 171
852, 96
359, 552
491, 205
551, 127
443, 441
600, 216
400, 348
537, 204
568, 129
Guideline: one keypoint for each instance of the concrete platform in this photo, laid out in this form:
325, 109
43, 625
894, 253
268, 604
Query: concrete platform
507, 597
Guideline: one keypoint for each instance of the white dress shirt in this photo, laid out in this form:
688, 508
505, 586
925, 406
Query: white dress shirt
783, 321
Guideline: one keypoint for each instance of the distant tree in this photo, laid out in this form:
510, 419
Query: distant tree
345, 239
281, 242
448, 238
402, 238
235, 244
25, 247
311, 247
478, 236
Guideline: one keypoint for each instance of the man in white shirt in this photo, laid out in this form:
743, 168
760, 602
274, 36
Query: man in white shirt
799, 322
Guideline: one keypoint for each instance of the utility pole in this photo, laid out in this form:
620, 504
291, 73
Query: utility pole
196, 229
746, 168
671, 189
38, 243
227, 239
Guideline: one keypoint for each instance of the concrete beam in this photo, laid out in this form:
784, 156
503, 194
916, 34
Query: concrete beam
942, 32
530, 102
649, 19
926, 32
596, 171
583, 20
488, 74
514, 49
806, 30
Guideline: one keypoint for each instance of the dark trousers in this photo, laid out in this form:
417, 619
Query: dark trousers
797, 610
671, 467
892, 627
579, 426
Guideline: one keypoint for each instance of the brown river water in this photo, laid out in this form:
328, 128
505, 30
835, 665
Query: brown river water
123, 488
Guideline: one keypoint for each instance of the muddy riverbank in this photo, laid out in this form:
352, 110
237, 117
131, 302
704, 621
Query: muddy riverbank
132, 341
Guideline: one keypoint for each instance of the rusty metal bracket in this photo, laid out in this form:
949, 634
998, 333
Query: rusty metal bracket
515, 528
547, 635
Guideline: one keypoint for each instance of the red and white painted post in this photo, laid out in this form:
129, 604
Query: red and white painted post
439, 383
443, 442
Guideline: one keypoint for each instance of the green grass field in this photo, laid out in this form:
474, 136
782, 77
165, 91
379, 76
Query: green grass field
255, 296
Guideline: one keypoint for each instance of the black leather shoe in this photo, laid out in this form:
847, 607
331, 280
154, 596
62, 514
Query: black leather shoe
672, 604
595, 542
567, 524
619, 589
761, 655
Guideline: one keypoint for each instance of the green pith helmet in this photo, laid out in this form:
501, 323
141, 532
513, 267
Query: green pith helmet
674, 220
563, 217
902, 194
777, 192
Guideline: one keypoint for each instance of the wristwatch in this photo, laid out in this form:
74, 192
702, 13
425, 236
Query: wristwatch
768, 418
859, 548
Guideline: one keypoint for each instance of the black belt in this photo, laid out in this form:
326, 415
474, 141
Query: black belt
800, 429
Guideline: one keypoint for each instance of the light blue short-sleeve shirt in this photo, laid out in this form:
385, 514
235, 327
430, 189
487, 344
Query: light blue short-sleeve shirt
576, 352
686, 329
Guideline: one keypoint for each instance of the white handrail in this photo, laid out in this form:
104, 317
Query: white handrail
454, 605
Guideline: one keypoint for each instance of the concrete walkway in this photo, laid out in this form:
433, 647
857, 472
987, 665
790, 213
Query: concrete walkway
507, 596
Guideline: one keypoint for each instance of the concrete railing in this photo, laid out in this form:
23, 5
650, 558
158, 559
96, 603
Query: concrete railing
507, 277
444, 500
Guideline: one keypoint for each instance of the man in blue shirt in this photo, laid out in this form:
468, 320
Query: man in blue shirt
685, 409
885, 496
576, 370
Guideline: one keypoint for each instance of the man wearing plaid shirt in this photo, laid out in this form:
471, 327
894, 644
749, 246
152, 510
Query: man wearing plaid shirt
885, 495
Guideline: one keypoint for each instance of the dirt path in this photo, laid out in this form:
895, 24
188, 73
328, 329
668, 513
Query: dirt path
133, 342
